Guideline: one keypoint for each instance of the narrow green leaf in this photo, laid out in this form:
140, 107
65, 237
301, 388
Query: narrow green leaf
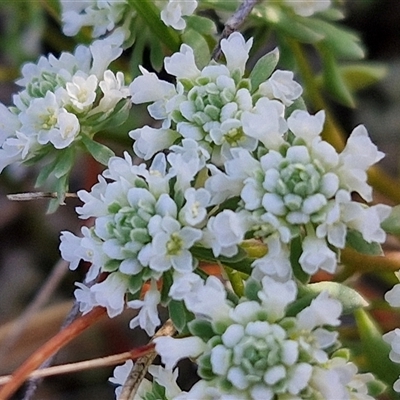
392, 223
375, 349
177, 314
201, 328
351, 300
355, 240
149, 12
341, 42
263, 69
44, 173
202, 25
332, 79
295, 253
65, 162
99, 152
289, 25
360, 76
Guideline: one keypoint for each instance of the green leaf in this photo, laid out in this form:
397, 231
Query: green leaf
355, 240
333, 80
199, 45
45, 172
392, 223
376, 350
251, 289
98, 151
351, 300
341, 42
286, 24
202, 25
201, 328
263, 69
360, 76
65, 162
296, 250
149, 12
177, 313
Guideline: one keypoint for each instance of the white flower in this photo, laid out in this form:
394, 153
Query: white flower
393, 338
265, 123
281, 86
114, 89
182, 64
184, 285
225, 232
101, 15
172, 13
172, 350
358, 155
208, 300
171, 243
317, 255
149, 141
236, 51
194, 212
306, 8
110, 293
82, 91
121, 373
306, 126
147, 318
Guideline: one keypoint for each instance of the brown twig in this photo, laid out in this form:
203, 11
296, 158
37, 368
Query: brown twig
234, 23
141, 366
48, 349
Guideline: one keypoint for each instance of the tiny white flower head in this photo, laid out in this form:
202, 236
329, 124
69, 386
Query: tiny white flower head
149, 141
266, 123
110, 293
358, 155
317, 255
172, 13
281, 86
393, 338
120, 375
182, 64
82, 91
306, 126
172, 350
323, 310
393, 295
236, 51
147, 318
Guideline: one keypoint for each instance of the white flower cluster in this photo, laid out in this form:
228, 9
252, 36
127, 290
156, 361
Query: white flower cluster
302, 188
61, 98
102, 16
252, 350
145, 225
109, 17
212, 106
231, 161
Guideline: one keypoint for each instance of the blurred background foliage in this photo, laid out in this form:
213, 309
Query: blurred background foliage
29, 237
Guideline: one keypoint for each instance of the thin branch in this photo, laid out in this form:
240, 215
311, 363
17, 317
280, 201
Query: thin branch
50, 348
233, 24
37, 195
101, 362
141, 366
57, 274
